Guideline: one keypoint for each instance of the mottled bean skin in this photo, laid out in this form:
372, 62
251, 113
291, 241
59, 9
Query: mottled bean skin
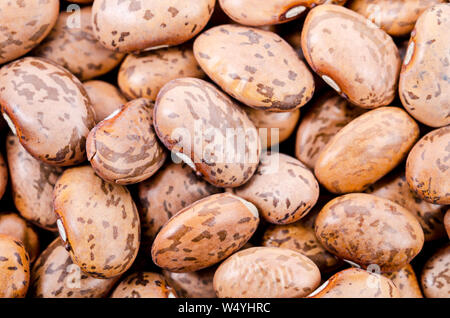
357, 283
105, 98
359, 60
285, 122
366, 149
435, 279
54, 275
13, 225
406, 282
396, 17
428, 167
430, 216
14, 268
174, 187
24, 25
268, 75
425, 77
368, 230
300, 237
144, 74
329, 114
123, 148
105, 243
75, 47
32, 183
143, 285
282, 189
49, 109
188, 108
135, 25
204, 233
197, 284
260, 13
266, 272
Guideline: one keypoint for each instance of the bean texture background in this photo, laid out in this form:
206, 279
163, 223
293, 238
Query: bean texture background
249, 149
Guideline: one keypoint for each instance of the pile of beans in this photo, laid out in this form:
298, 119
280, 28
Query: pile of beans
229, 148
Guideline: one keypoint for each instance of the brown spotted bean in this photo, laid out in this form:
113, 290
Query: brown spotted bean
282, 189
205, 233
32, 185
54, 275
350, 53
406, 282
105, 98
24, 25
75, 47
197, 284
435, 278
268, 75
189, 108
13, 225
429, 215
14, 268
424, 86
81, 1
357, 283
48, 108
262, 272
329, 114
369, 231
143, 75
273, 127
123, 148
103, 244
428, 167
143, 285
173, 188
124, 25
3, 176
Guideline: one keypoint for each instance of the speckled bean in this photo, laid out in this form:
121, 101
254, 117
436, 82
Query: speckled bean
282, 189
261, 272
105, 243
123, 148
268, 75
48, 108
369, 230
32, 185
366, 149
350, 53
205, 233
424, 87
173, 188
54, 275
427, 167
